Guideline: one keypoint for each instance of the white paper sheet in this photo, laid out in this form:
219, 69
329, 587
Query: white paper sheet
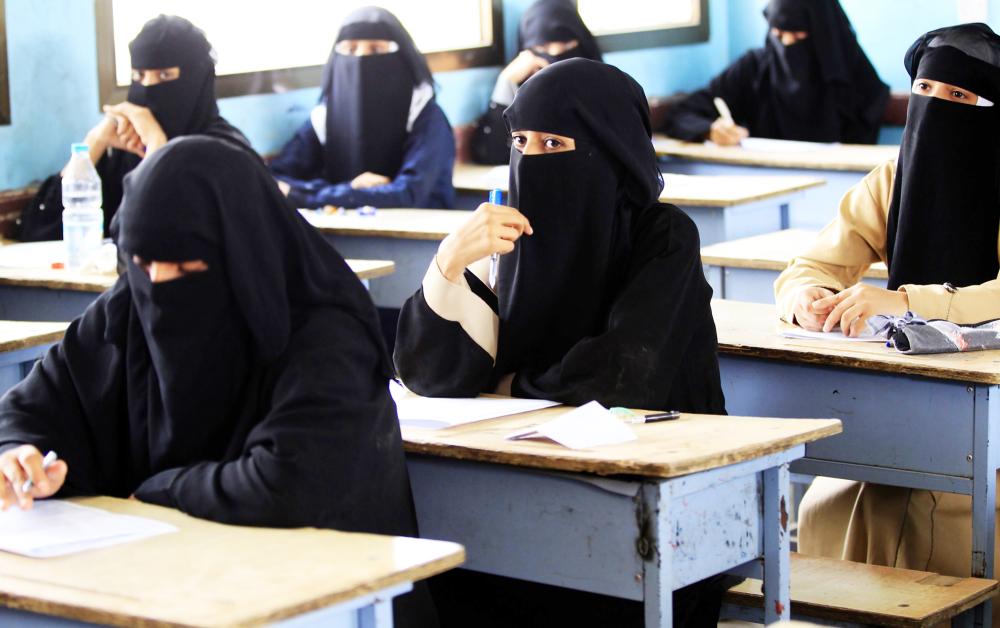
590, 425
440, 412
56, 528
834, 336
767, 145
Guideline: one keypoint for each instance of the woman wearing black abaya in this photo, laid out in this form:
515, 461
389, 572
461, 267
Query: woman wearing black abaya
242, 380
172, 94
378, 136
811, 81
549, 31
934, 219
600, 294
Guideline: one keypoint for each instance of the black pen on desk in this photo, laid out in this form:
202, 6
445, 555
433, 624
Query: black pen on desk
657, 417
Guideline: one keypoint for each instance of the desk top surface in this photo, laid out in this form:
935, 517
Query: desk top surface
678, 189
769, 251
802, 155
405, 224
751, 330
16, 335
209, 574
29, 265
664, 450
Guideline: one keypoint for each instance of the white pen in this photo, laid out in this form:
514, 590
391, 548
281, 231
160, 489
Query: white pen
47, 462
723, 109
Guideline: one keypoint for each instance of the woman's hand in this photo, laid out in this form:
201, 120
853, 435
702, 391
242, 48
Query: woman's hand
726, 133
369, 180
142, 134
491, 229
807, 313
22, 463
523, 67
852, 308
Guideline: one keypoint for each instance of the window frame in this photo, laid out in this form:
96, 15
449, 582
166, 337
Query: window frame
677, 36
262, 82
5, 114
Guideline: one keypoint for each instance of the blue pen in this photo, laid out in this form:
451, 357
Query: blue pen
496, 198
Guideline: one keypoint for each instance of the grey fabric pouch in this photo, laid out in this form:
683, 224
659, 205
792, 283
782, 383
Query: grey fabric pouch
914, 335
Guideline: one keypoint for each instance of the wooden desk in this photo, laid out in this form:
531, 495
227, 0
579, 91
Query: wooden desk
21, 344
841, 165
408, 236
929, 422
723, 207
745, 269
209, 574
30, 289
690, 499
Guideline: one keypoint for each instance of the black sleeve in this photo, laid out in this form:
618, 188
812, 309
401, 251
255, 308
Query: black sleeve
659, 349
70, 403
490, 141
435, 357
691, 118
327, 451
302, 156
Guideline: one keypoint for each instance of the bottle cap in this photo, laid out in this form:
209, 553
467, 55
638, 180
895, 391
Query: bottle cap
79, 148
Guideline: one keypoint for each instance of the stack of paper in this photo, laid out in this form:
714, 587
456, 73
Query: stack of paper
440, 412
838, 336
590, 425
57, 528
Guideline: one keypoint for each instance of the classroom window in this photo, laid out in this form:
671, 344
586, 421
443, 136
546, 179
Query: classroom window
631, 24
4, 75
265, 46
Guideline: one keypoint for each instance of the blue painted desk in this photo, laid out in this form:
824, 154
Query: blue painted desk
723, 207
928, 422
209, 574
688, 500
841, 165
745, 269
21, 345
31, 290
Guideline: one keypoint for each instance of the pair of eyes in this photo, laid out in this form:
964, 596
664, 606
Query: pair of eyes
550, 143
957, 94
166, 74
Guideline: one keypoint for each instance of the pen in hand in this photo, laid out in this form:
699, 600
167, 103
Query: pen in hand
496, 198
47, 462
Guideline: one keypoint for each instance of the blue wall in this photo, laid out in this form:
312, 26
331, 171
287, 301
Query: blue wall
54, 95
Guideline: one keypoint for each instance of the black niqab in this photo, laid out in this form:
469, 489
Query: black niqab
185, 105
557, 285
820, 86
945, 211
556, 20
368, 98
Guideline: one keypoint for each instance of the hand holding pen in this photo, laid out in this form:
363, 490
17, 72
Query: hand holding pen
25, 475
725, 131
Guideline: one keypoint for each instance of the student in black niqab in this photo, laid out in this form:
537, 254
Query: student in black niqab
600, 295
172, 94
811, 81
250, 388
549, 31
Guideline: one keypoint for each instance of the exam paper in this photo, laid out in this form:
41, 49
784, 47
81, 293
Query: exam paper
835, 336
768, 145
441, 412
56, 528
590, 425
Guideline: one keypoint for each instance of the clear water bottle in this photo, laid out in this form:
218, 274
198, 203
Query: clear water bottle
82, 217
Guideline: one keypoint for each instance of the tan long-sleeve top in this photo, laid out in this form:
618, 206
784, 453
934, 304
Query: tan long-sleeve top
856, 238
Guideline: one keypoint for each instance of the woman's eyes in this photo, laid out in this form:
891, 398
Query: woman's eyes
552, 143
958, 95
520, 140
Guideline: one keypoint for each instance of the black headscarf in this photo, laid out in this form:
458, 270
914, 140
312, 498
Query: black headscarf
821, 88
368, 98
555, 288
945, 211
186, 105
556, 20
192, 341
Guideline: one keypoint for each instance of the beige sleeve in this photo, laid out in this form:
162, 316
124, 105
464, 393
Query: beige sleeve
455, 301
967, 305
846, 247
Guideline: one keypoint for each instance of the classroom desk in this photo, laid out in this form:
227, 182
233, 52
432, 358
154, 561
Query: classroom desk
408, 236
30, 289
841, 165
21, 344
690, 499
723, 207
209, 574
745, 269
928, 422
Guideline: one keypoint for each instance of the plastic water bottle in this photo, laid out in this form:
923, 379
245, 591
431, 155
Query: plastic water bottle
82, 217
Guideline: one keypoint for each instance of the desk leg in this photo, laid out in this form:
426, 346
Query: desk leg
378, 615
777, 600
984, 477
657, 577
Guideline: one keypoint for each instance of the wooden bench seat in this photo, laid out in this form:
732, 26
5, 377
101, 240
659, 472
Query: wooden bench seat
842, 591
